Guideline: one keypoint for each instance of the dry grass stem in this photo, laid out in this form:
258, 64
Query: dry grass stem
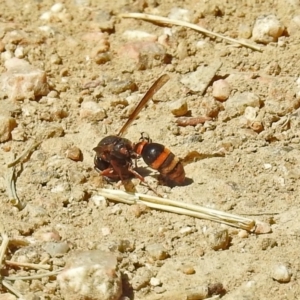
12, 289
37, 276
27, 265
24, 154
11, 190
167, 21
180, 208
3, 248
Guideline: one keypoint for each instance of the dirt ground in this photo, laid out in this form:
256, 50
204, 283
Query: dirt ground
256, 176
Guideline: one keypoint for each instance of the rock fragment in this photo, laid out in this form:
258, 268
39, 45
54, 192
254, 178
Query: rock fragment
7, 124
92, 111
198, 81
179, 107
143, 55
267, 29
221, 90
23, 81
74, 153
91, 275
219, 240
281, 272
157, 251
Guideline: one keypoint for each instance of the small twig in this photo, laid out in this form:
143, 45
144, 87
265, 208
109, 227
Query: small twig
24, 154
37, 276
11, 190
11, 180
184, 209
12, 289
3, 248
163, 20
28, 265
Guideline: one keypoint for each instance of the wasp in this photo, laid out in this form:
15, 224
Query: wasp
115, 154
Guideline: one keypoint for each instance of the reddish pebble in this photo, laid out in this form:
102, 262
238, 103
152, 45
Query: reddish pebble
74, 153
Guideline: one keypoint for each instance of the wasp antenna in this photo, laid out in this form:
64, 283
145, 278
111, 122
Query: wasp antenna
157, 85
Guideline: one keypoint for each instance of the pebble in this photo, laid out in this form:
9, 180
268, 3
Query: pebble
47, 234
155, 281
23, 81
19, 52
187, 270
126, 246
141, 279
120, 86
210, 108
56, 248
236, 105
186, 230
281, 100
99, 200
180, 14
91, 275
267, 29
157, 252
219, 240
143, 55
92, 111
74, 153
57, 7
281, 272
179, 107
250, 113
244, 31
197, 81
221, 90
7, 125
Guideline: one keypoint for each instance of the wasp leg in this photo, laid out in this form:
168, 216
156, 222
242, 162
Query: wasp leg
141, 178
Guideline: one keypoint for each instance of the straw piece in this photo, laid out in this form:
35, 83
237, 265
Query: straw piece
27, 265
24, 154
37, 276
163, 20
180, 208
12, 289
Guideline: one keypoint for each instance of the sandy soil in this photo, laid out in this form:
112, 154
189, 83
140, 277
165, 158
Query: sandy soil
256, 177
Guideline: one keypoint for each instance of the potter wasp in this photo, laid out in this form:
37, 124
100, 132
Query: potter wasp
115, 154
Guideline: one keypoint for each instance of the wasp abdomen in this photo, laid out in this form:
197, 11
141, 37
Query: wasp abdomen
160, 158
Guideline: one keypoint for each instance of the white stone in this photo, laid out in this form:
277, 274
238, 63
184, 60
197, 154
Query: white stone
57, 7
46, 16
281, 273
23, 81
92, 111
267, 29
180, 14
19, 52
155, 281
91, 275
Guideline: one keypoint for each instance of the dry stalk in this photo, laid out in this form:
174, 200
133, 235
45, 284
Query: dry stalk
12, 289
24, 154
163, 20
27, 265
3, 248
37, 276
178, 207
11, 176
